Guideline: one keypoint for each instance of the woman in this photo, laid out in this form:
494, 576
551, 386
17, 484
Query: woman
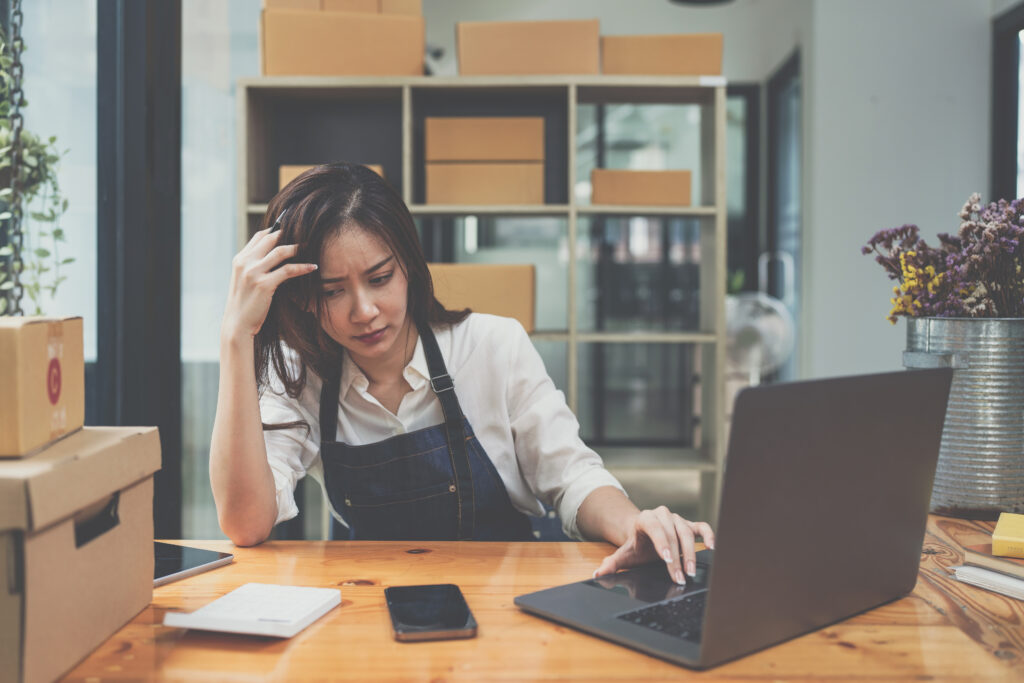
420, 422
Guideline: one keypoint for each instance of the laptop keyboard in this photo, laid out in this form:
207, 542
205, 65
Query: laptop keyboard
681, 617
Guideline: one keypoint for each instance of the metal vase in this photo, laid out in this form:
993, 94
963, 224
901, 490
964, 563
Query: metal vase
981, 459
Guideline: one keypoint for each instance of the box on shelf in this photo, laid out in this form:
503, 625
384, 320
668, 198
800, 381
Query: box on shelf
369, 6
506, 290
293, 4
488, 138
697, 54
528, 47
309, 43
76, 533
517, 182
411, 7
287, 173
640, 188
42, 382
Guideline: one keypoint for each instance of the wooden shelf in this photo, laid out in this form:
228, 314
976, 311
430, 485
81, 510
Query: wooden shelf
305, 120
489, 210
376, 83
624, 210
638, 337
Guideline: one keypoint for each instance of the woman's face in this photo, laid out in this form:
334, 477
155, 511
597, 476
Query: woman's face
365, 297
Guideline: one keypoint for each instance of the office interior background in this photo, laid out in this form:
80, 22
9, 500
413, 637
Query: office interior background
844, 117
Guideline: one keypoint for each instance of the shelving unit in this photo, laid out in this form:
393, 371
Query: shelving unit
309, 120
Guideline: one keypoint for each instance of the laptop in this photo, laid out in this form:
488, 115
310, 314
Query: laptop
823, 510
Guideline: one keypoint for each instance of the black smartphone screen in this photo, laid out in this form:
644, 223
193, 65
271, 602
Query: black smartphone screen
429, 612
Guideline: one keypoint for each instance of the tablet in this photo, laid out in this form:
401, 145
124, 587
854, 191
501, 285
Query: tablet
175, 562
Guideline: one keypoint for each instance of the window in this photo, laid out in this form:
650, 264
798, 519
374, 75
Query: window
1007, 110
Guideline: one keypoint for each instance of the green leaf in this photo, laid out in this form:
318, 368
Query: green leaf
42, 253
5, 215
58, 233
3, 305
68, 260
7, 286
7, 251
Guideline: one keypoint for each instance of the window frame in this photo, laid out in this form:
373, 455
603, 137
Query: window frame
1005, 95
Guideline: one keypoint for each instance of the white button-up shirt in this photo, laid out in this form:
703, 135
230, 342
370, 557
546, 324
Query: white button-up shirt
520, 418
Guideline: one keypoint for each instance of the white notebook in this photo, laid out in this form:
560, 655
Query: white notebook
261, 609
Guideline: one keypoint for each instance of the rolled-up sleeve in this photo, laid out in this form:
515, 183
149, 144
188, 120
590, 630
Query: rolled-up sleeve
560, 469
290, 451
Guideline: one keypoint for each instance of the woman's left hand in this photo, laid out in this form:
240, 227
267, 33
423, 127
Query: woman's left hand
660, 533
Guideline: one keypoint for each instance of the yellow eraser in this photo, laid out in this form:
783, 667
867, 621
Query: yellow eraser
1008, 537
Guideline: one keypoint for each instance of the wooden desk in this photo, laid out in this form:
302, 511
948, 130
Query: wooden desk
944, 630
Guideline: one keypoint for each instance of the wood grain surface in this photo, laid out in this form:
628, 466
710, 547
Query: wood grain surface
944, 630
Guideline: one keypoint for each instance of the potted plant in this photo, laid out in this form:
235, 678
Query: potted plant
964, 305
38, 233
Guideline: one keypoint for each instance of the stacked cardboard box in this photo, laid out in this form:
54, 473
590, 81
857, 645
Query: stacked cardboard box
697, 54
342, 38
487, 48
484, 160
576, 47
76, 507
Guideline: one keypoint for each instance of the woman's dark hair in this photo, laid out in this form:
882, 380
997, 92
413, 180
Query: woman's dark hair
318, 205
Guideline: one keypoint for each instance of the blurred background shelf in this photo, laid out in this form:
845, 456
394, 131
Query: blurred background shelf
630, 300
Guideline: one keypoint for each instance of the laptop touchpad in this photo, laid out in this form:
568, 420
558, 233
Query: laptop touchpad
650, 582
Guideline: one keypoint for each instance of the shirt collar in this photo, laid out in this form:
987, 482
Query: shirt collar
416, 372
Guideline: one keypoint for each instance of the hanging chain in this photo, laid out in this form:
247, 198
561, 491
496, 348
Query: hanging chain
14, 230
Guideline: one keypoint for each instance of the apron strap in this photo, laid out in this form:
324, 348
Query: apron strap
329, 406
444, 389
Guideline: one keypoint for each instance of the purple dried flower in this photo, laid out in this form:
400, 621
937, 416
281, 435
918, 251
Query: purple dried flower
977, 272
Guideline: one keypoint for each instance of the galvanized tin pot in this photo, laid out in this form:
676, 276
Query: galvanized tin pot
981, 460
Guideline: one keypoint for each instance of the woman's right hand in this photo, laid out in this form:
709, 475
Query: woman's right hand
255, 276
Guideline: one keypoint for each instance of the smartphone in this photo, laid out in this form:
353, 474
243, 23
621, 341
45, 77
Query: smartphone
429, 612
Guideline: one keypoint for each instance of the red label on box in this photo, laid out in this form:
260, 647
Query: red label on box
53, 381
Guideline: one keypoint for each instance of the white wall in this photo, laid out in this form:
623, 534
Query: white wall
1000, 6
896, 131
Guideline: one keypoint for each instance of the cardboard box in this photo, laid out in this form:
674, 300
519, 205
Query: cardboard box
506, 290
76, 530
517, 182
528, 47
306, 43
293, 4
412, 8
42, 382
288, 173
640, 188
370, 6
489, 138
697, 54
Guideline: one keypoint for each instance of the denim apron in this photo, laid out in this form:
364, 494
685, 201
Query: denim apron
433, 484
